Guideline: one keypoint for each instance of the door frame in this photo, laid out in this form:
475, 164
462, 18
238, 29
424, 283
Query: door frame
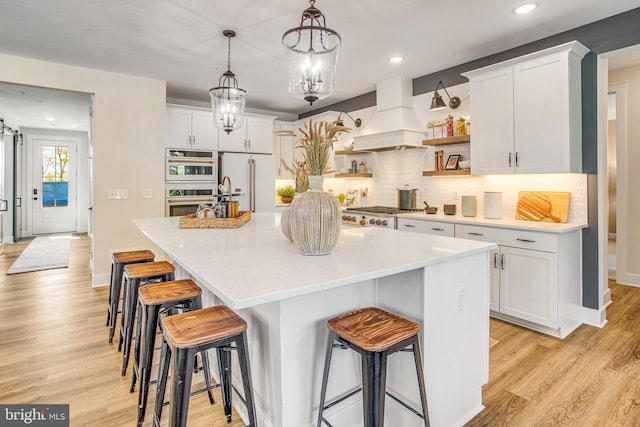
29, 166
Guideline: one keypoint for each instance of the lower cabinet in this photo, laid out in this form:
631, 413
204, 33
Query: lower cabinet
536, 277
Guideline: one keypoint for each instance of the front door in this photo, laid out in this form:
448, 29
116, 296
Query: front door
54, 185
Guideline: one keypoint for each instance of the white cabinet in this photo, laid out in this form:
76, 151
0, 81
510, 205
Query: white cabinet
256, 136
427, 227
189, 127
536, 277
527, 113
283, 149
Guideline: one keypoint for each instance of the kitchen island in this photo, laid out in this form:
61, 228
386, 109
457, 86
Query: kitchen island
286, 298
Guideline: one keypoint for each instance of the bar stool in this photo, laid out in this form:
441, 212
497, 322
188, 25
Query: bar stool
118, 262
170, 296
186, 334
375, 334
134, 276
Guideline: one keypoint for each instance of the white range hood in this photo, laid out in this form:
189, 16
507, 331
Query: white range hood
395, 125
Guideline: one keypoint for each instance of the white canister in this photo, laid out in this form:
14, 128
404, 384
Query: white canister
492, 204
469, 205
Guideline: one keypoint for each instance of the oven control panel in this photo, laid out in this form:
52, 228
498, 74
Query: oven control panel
359, 220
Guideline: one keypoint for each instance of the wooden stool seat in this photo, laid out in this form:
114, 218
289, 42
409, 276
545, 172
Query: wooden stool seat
169, 296
198, 331
148, 269
373, 329
167, 292
132, 256
136, 275
118, 261
375, 334
202, 326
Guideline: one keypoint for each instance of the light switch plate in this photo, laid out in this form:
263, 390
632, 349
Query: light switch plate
147, 193
118, 194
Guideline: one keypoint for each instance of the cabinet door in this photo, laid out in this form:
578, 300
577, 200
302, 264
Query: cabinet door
428, 227
285, 151
541, 115
204, 134
260, 135
234, 141
178, 128
492, 136
529, 285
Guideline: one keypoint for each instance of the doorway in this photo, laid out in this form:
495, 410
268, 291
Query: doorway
54, 184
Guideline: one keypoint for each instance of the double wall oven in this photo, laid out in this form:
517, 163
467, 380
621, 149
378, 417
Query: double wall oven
190, 179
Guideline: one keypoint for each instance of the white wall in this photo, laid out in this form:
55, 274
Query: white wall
630, 75
128, 135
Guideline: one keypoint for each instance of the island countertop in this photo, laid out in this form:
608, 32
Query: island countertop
255, 264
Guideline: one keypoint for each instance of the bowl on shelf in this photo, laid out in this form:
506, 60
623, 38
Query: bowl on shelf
464, 164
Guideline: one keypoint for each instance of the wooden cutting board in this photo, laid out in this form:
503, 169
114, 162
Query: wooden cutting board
548, 206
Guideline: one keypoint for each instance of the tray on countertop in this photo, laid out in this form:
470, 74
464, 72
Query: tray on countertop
548, 206
190, 221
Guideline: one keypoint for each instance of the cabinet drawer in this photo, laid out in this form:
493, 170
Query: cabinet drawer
428, 227
507, 237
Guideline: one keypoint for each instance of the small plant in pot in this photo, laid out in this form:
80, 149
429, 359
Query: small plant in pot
286, 193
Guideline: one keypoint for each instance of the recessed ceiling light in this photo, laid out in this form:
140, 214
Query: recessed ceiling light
525, 8
395, 59
50, 119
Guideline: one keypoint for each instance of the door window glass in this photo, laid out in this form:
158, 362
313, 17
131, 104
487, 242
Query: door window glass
55, 176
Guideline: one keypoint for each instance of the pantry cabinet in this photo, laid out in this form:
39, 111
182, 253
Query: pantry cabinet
190, 127
527, 113
256, 136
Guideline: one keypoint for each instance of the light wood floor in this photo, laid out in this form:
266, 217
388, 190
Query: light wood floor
54, 349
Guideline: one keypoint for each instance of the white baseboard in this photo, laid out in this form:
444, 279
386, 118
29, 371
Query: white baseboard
628, 278
594, 317
98, 280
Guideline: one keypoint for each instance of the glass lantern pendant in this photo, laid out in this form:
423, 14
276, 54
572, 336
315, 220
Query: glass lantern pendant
227, 98
312, 55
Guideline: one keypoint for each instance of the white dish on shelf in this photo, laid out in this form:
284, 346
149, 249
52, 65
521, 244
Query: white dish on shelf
464, 164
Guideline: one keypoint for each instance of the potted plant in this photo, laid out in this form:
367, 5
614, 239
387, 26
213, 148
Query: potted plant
286, 193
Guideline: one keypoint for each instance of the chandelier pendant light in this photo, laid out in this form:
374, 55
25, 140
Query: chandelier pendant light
312, 56
227, 99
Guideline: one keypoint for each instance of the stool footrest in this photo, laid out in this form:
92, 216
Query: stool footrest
353, 393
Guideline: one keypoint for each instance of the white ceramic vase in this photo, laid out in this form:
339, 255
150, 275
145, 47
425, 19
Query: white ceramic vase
315, 219
285, 223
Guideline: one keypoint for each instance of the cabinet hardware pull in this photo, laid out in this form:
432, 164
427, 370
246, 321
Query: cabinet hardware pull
437, 229
502, 261
172, 160
525, 240
475, 234
495, 260
194, 140
409, 225
510, 162
517, 162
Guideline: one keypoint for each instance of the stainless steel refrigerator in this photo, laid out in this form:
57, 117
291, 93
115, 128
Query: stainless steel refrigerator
252, 179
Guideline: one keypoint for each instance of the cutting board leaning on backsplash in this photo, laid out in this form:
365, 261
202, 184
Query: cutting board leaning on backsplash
548, 206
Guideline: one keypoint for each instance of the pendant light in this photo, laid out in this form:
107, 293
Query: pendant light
227, 98
312, 55
437, 103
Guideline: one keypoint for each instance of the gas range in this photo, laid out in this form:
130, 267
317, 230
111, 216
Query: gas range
373, 216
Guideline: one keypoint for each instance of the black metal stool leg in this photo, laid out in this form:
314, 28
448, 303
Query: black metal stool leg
111, 290
181, 386
136, 349
325, 376
132, 299
195, 304
125, 302
163, 374
151, 313
224, 365
374, 373
245, 370
423, 394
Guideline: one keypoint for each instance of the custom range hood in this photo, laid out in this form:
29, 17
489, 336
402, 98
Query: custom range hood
394, 126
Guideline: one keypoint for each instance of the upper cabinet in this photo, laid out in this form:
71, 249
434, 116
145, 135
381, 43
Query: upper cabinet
527, 113
256, 136
189, 127
283, 149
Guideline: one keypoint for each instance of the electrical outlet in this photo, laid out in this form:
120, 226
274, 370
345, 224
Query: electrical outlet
459, 299
147, 193
118, 194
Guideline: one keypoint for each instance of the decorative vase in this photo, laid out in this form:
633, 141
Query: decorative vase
315, 219
285, 223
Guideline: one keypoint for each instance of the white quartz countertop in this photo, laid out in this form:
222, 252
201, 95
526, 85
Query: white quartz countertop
256, 264
548, 227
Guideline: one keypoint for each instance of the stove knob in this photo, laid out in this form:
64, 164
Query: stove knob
384, 222
372, 221
344, 217
353, 219
378, 222
363, 221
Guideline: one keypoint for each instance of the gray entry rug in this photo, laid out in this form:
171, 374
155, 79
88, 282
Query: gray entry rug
43, 253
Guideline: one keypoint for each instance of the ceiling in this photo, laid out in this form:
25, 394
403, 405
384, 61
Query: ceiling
182, 42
